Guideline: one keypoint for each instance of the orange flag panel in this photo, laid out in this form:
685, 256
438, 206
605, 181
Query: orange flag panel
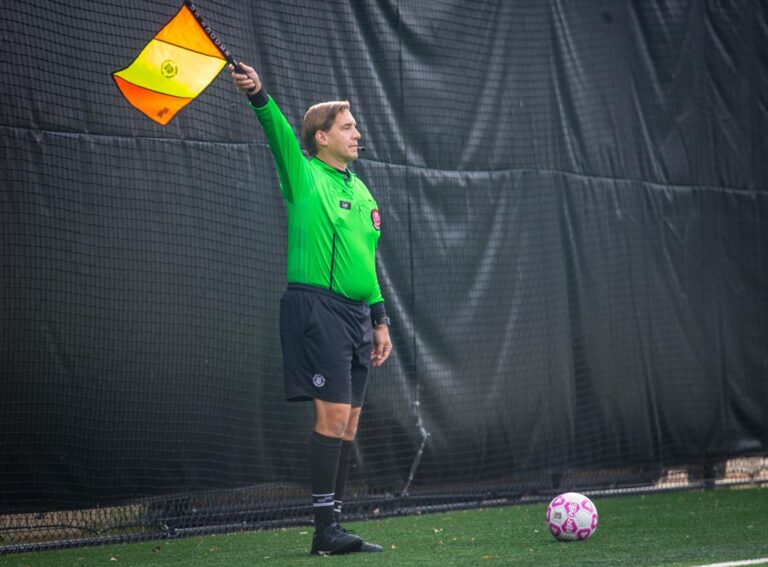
185, 31
157, 106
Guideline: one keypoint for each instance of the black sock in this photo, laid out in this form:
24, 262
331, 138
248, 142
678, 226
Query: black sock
345, 456
323, 464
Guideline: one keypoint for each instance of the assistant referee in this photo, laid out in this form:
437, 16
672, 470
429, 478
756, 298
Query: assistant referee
333, 323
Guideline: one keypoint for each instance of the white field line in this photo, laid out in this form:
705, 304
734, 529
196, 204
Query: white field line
762, 561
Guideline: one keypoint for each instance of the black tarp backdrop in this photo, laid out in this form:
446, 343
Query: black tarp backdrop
574, 246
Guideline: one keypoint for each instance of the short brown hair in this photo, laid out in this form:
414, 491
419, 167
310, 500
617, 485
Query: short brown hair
320, 117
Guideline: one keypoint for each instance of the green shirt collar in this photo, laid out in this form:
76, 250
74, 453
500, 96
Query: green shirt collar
347, 172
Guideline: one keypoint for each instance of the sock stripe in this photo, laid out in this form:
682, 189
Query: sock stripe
320, 500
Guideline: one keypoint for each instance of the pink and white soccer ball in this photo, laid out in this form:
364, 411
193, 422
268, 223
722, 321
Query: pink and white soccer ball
571, 516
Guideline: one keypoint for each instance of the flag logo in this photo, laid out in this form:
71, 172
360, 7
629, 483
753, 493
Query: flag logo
169, 69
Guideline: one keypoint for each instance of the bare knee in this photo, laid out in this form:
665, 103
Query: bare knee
351, 430
332, 418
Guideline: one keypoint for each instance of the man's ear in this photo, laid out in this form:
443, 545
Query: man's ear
320, 138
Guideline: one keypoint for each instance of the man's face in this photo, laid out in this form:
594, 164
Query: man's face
340, 141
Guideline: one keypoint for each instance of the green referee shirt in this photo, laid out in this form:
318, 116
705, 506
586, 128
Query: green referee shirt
333, 221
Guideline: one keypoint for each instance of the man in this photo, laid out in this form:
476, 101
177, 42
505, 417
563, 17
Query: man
333, 324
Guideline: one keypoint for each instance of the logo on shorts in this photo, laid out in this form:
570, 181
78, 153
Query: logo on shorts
318, 380
376, 218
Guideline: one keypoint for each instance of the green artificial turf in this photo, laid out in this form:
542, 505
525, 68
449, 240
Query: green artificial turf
680, 528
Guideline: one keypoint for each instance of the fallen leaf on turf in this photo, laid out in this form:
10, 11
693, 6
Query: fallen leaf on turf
156, 549
487, 557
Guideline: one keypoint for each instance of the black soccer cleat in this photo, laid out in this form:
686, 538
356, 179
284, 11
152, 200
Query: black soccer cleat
332, 540
366, 547
370, 548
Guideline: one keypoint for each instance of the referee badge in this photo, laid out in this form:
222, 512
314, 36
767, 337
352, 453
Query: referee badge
318, 380
376, 218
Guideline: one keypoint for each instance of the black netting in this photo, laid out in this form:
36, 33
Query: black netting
573, 257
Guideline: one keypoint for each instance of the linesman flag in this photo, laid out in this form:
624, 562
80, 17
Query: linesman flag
174, 67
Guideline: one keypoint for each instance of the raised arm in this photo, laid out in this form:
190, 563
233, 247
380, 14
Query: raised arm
289, 160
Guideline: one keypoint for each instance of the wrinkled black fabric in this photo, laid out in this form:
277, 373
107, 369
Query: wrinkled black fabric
573, 253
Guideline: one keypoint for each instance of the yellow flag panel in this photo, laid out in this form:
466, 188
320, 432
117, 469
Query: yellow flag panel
172, 70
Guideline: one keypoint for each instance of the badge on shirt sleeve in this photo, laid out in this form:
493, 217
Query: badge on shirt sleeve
345, 205
376, 218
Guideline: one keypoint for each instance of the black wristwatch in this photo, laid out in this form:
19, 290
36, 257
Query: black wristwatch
381, 321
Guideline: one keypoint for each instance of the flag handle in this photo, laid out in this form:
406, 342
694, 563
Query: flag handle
214, 38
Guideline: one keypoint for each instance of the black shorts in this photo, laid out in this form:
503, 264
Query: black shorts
327, 341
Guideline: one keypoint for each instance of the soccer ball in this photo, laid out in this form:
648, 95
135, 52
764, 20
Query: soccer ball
571, 516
